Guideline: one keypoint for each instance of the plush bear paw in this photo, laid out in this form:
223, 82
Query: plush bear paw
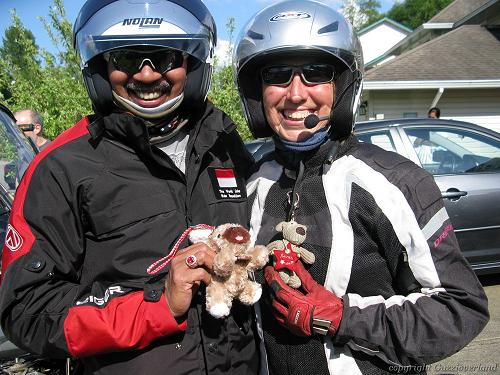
257, 294
219, 310
250, 294
294, 282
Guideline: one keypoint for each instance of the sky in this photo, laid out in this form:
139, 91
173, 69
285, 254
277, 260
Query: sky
241, 10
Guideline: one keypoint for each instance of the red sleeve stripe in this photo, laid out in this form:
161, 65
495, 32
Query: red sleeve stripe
21, 231
127, 322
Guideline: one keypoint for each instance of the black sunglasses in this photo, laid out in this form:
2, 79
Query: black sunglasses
26, 127
311, 74
132, 61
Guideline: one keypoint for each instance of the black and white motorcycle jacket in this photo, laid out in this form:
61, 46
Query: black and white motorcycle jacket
384, 243
93, 211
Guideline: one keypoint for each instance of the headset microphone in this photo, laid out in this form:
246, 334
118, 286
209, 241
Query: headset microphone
312, 120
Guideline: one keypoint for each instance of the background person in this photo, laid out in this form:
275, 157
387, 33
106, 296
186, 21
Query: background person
434, 112
113, 194
29, 116
389, 286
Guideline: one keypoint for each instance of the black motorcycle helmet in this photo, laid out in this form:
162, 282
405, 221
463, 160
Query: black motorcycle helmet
106, 25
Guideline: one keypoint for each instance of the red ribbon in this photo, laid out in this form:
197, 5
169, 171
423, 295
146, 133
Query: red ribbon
162, 263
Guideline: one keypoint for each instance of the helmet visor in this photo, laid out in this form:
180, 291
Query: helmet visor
196, 46
155, 24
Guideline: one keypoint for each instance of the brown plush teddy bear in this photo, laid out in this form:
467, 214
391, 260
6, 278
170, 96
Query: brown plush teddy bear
233, 261
288, 251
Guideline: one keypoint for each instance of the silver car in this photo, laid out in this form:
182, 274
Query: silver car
465, 161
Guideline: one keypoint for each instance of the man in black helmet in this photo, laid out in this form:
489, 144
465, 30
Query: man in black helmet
379, 290
114, 194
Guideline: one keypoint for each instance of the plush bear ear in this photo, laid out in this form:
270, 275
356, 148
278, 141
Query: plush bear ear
199, 235
280, 226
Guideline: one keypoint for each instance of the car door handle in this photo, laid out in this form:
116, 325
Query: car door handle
453, 194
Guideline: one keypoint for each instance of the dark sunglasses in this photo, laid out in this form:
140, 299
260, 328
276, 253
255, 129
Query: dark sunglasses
311, 74
26, 127
131, 61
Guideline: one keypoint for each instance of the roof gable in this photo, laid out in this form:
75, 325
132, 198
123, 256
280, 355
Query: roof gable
470, 52
385, 20
457, 10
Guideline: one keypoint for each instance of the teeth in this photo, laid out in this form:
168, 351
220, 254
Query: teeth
148, 95
296, 115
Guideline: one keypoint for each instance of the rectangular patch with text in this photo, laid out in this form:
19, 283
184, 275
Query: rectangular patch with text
226, 184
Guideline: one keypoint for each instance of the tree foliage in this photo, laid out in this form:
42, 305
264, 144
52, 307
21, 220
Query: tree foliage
15, 40
361, 13
413, 13
223, 92
60, 32
19, 57
31, 77
34, 78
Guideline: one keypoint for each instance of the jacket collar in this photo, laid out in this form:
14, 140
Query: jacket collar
316, 157
204, 126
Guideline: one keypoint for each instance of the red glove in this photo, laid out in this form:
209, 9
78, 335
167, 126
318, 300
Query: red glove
317, 311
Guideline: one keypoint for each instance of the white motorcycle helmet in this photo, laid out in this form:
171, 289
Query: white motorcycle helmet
300, 28
106, 25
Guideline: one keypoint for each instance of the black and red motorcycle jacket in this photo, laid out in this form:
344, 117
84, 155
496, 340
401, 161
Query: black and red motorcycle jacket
93, 211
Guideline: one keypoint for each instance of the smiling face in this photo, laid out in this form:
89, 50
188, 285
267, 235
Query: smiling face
148, 87
286, 107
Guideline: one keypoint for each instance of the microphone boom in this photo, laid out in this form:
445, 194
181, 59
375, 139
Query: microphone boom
312, 120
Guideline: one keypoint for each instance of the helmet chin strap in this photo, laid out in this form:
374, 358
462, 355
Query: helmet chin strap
150, 113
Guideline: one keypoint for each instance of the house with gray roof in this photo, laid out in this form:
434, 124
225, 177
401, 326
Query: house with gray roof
452, 62
379, 37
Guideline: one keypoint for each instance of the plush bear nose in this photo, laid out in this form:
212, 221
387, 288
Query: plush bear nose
300, 231
236, 235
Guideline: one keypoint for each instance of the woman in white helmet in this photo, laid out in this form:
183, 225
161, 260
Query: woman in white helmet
388, 289
114, 193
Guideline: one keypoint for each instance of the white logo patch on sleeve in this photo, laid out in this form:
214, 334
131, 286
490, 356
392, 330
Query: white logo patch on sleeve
13, 239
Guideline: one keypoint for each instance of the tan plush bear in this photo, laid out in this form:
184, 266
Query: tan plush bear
233, 260
288, 251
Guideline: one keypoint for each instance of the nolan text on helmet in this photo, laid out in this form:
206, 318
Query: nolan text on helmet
150, 23
144, 26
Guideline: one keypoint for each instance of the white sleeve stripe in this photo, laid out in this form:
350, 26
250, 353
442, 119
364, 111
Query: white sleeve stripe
435, 223
268, 174
338, 180
338, 197
340, 360
355, 300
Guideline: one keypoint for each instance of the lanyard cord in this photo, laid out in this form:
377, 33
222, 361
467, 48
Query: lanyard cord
161, 263
293, 196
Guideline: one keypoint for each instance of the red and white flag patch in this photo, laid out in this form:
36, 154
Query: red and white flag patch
225, 178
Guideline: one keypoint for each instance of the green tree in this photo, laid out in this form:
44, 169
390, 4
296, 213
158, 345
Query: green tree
223, 92
361, 13
60, 32
19, 57
55, 87
413, 13
15, 41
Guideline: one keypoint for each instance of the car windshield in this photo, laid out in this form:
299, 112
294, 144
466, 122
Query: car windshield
15, 154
